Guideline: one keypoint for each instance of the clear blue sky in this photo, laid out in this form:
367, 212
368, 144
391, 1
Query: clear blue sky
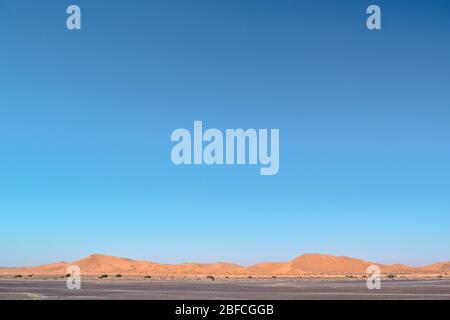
86, 118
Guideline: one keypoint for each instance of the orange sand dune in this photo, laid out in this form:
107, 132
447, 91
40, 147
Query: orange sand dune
308, 264
437, 267
325, 264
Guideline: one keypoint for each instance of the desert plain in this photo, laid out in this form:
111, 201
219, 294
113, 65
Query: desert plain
310, 276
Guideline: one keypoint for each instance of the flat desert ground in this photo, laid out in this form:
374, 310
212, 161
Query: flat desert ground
256, 289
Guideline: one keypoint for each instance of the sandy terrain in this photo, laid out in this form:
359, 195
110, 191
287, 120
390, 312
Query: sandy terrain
308, 265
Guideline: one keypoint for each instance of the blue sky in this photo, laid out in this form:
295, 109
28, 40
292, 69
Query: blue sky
86, 118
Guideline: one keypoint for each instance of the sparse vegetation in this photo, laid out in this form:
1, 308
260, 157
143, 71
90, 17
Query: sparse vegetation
118, 276
18, 276
211, 278
390, 276
147, 277
103, 276
30, 275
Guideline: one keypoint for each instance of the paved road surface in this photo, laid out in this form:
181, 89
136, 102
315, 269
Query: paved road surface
255, 289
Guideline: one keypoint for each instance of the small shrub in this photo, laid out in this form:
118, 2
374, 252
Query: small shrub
103, 276
211, 278
147, 277
390, 276
30, 275
118, 276
18, 276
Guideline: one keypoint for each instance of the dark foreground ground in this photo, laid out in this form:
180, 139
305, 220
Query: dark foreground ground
251, 289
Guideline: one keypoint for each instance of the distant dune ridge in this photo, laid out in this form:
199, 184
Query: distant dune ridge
307, 264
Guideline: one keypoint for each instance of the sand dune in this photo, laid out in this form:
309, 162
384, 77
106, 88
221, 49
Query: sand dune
308, 264
437, 267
